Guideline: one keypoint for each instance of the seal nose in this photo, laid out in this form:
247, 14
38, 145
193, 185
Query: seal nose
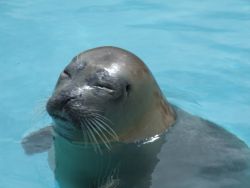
57, 102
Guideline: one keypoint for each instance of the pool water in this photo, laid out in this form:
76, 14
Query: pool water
198, 51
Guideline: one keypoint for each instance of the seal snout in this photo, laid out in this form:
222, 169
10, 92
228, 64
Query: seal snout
58, 104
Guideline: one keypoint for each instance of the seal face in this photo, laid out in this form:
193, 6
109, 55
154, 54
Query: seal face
108, 94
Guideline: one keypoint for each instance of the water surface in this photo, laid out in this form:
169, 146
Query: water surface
198, 51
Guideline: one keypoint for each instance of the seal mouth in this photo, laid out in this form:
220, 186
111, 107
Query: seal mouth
59, 117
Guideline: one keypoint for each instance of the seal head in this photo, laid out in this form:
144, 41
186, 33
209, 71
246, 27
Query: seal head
108, 94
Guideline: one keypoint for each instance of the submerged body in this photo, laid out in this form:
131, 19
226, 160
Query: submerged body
113, 128
194, 153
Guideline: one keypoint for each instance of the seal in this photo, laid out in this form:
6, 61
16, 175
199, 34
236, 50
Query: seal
108, 90
113, 127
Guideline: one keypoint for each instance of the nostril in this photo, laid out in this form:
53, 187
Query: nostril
59, 101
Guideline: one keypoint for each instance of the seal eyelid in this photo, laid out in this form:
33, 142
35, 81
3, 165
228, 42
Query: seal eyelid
104, 86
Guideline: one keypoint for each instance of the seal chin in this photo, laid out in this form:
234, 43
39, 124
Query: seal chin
65, 129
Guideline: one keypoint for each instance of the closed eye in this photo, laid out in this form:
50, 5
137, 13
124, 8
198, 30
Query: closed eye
105, 86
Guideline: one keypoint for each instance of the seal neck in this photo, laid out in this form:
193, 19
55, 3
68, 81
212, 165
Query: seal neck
155, 121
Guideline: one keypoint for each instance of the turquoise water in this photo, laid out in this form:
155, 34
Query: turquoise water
198, 51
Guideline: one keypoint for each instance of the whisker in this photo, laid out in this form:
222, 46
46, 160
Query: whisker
107, 128
83, 133
86, 138
103, 125
104, 119
87, 132
101, 135
93, 135
39, 111
108, 121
